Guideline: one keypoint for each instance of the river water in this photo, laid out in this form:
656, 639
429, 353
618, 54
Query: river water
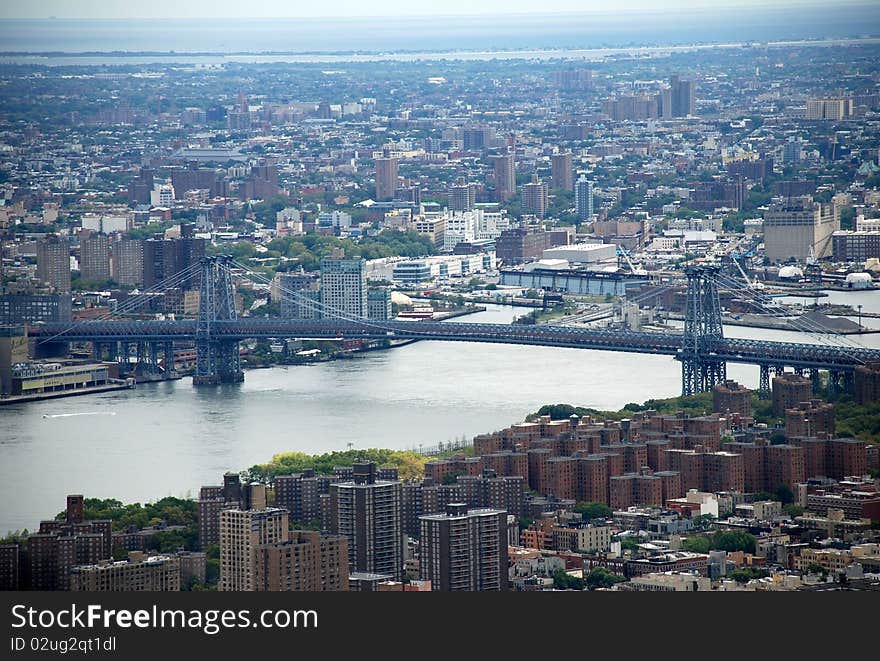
170, 438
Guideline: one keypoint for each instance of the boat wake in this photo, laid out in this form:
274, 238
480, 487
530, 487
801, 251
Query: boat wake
72, 415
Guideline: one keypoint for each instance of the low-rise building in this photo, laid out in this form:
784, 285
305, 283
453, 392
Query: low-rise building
140, 573
669, 582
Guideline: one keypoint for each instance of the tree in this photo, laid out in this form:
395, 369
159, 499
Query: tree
703, 521
593, 510
777, 438
784, 494
733, 540
793, 510
696, 544
629, 544
748, 574
599, 577
564, 581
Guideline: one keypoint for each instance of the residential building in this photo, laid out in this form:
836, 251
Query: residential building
306, 562
299, 295
368, 511
849, 246
682, 93
386, 178
562, 171
53, 262
10, 567
242, 533
520, 244
535, 196
127, 263
59, 546
379, 303
464, 550
582, 538
670, 582
165, 260
583, 198
866, 383
810, 418
505, 176
730, 397
788, 391
94, 258
462, 197
140, 573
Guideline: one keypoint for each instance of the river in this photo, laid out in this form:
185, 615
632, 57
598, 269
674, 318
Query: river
170, 438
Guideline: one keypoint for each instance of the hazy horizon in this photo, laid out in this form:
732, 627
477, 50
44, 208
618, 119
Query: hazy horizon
171, 10
640, 24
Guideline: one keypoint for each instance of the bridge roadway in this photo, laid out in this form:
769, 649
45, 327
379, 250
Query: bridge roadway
754, 352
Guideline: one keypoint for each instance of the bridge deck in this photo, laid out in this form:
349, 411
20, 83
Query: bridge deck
758, 352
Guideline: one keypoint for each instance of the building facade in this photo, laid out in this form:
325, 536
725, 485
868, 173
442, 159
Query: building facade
799, 228
505, 176
464, 550
242, 532
344, 288
368, 512
94, 258
562, 171
140, 573
386, 178
53, 262
583, 198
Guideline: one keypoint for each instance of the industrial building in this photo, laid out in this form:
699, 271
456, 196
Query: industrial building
799, 228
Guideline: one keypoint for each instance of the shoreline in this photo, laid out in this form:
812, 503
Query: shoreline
319, 57
43, 396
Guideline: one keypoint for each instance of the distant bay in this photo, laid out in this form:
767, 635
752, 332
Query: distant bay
561, 31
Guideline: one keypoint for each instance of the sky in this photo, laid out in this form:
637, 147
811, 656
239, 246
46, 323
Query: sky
348, 8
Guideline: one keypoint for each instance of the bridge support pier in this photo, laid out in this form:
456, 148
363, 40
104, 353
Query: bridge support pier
834, 382
849, 381
701, 370
217, 360
764, 382
701, 375
817, 382
168, 358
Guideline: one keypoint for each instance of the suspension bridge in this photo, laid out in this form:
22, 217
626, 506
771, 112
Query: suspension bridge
702, 349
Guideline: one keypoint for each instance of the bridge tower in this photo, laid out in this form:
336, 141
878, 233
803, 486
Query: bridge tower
699, 370
217, 360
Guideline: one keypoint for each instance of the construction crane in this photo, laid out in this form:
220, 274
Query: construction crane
632, 267
749, 283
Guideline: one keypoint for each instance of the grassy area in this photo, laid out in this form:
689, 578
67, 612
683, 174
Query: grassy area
692, 404
539, 316
862, 422
410, 465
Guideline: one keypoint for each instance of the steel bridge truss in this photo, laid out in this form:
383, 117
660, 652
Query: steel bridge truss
701, 369
702, 350
217, 356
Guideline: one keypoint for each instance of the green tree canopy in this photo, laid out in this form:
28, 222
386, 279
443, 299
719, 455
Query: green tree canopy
599, 577
564, 581
593, 510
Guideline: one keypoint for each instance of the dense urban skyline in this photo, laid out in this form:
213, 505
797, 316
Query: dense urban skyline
402, 308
